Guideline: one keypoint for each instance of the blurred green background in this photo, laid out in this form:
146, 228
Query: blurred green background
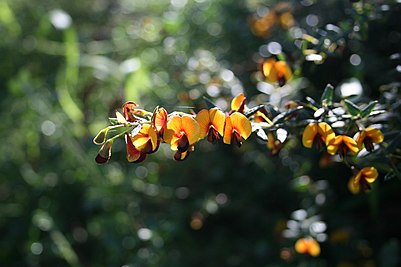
66, 66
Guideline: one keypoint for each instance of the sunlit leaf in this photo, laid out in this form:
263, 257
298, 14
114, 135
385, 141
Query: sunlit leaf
352, 108
366, 111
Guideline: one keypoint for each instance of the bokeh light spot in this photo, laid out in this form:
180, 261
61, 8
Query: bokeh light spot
145, 234
274, 48
60, 19
312, 20
36, 248
355, 59
48, 128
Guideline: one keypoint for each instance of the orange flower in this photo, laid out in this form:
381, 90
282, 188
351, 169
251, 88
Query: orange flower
146, 140
133, 155
128, 110
367, 137
317, 133
307, 246
237, 129
211, 124
276, 71
343, 143
131, 113
159, 120
182, 131
362, 180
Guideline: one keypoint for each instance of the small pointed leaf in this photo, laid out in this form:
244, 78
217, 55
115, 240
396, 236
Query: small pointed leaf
327, 96
366, 111
352, 108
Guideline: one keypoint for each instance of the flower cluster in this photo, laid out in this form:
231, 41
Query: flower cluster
321, 134
144, 131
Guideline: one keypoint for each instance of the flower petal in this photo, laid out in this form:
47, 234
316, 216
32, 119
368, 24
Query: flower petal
309, 134
191, 129
238, 103
132, 153
359, 138
268, 69
354, 187
283, 70
203, 119
241, 124
160, 119
375, 134
351, 144
326, 131
370, 174
218, 119
174, 126
228, 129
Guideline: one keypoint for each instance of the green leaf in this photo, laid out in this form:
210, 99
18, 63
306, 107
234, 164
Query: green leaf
327, 96
100, 138
352, 108
366, 111
113, 121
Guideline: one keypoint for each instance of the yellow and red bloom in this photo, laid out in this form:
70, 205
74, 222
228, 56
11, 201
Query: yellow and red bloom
362, 180
317, 133
307, 246
211, 124
276, 71
343, 144
182, 131
146, 140
159, 120
237, 128
128, 111
367, 137
133, 155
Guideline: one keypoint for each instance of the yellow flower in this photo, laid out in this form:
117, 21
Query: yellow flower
146, 140
362, 180
367, 137
211, 124
238, 103
343, 144
182, 131
317, 133
276, 71
237, 128
307, 246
